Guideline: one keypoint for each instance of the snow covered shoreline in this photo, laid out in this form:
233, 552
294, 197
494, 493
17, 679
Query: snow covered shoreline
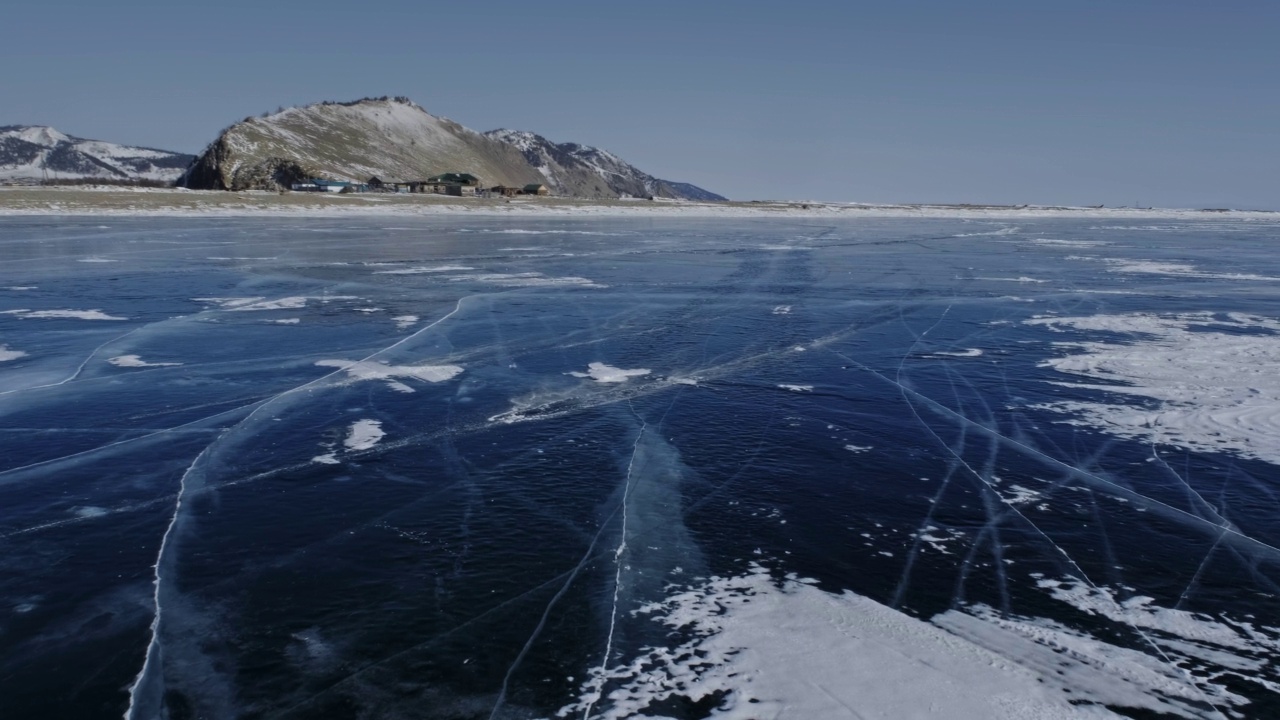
114, 201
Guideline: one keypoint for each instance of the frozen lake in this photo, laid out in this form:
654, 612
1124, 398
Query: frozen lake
607, 468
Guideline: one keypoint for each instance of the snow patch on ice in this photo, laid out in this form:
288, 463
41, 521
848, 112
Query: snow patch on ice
1010, 230
369, 370
1087, 668
797, 388
608, 374
938, 539
519, 231
404, 321
1203, 381
424, 270
1186, 660
6, 354
69, 314
1070, 243
364, 434
134, 361
1022, 279
1141, 611
526, 279
251, 304
1153, 267
1018, 495
770, 648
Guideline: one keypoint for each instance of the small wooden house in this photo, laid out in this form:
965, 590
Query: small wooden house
459, 190
504, 191
535, 189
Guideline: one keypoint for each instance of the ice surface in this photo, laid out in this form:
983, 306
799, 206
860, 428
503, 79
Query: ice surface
1058, 505
6, 354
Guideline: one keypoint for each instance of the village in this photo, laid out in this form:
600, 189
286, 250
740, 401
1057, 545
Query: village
457, 184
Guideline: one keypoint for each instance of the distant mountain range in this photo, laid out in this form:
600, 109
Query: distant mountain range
36, 152
396, 140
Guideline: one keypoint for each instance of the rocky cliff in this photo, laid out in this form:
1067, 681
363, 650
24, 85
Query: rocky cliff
396, 140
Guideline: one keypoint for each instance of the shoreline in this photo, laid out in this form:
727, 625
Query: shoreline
99, 201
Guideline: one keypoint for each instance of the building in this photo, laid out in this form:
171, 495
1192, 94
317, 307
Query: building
504, 191
333, 186
535, 189
455, 178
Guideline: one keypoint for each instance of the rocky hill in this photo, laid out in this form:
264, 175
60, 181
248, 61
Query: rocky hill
37, 152
396, 140
584, 171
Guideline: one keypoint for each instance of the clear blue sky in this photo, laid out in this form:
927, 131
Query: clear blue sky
1168, 103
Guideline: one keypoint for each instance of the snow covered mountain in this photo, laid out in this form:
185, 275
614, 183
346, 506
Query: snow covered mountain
396, 140
37, 152
584, 171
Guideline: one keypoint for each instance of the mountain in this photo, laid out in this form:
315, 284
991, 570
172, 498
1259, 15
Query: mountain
36, 152
396, 140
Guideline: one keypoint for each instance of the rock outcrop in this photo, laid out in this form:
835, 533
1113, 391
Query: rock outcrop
396, 140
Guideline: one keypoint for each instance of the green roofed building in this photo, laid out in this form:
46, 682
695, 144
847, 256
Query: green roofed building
455, 178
